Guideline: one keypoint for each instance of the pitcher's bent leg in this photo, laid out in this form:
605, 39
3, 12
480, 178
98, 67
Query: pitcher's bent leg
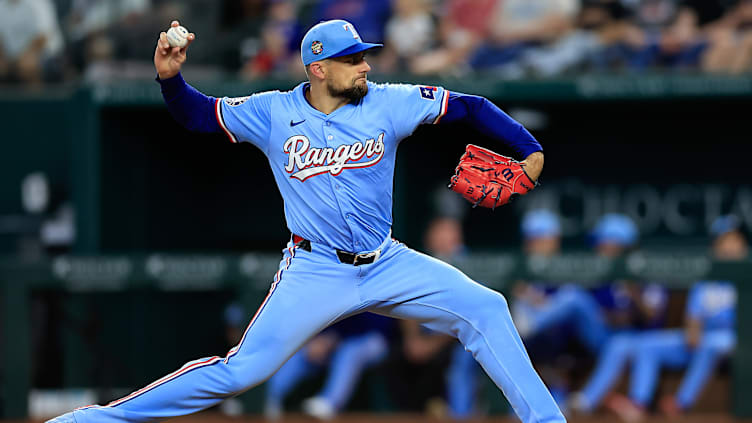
277, 330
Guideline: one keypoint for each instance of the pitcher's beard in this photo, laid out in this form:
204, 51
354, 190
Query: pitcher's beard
352, 94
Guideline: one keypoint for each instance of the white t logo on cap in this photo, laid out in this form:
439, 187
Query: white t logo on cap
350, 28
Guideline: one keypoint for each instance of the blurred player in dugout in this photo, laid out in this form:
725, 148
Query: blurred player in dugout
345, 349
708, 336
611, 313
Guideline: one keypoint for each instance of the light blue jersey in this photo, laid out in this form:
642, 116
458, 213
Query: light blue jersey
714, 304
335, 172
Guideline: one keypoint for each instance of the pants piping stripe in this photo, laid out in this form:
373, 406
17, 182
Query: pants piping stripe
277, 278
188, 367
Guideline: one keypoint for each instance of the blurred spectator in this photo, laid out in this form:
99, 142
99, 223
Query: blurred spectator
677, 35
280, 42
107, 38
369, 16
665, 39
701, 17
728, 241
707, 337
348, 348
653, 16
618, 36
410, 32
236, 12
51, 217
30, 41
88, 17
731, 42
604, 39
464, 25
239, 37
430, 354
418, 371
103, 39
444, 239
518, 26
88, 27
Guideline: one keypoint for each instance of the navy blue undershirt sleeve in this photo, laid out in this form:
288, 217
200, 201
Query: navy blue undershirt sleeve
491, 121
191, 108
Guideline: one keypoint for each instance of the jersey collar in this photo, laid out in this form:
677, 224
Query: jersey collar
300, 94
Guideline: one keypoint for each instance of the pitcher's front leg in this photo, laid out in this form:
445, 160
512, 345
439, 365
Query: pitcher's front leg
283, 323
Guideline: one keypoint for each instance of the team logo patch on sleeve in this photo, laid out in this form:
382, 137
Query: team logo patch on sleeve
427, 92
236, 101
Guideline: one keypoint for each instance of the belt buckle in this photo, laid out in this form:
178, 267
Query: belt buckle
360, 257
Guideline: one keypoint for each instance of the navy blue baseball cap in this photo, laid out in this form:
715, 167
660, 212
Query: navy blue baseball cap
332, 39
723, 225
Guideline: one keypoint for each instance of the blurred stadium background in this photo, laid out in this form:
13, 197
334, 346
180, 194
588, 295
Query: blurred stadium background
129, 246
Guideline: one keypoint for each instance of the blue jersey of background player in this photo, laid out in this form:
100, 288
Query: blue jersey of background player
597, 314
708, 336
331, 144
711, 311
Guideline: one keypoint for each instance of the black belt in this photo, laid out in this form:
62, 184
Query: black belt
345, 257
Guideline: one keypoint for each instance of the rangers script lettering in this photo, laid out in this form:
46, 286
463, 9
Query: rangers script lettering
315, 161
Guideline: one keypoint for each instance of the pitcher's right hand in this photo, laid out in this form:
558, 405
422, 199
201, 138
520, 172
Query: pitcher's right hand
168, 60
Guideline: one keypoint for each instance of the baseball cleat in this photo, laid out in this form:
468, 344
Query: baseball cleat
319, 408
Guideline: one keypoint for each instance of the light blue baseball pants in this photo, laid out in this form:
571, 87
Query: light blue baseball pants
669, 348
617, 352
312, 290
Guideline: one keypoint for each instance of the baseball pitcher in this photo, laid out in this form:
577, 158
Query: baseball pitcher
331, 143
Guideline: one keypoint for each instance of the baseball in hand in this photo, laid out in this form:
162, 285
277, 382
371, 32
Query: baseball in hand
177, 36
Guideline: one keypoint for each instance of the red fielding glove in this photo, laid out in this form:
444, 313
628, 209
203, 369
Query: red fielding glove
488, 179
